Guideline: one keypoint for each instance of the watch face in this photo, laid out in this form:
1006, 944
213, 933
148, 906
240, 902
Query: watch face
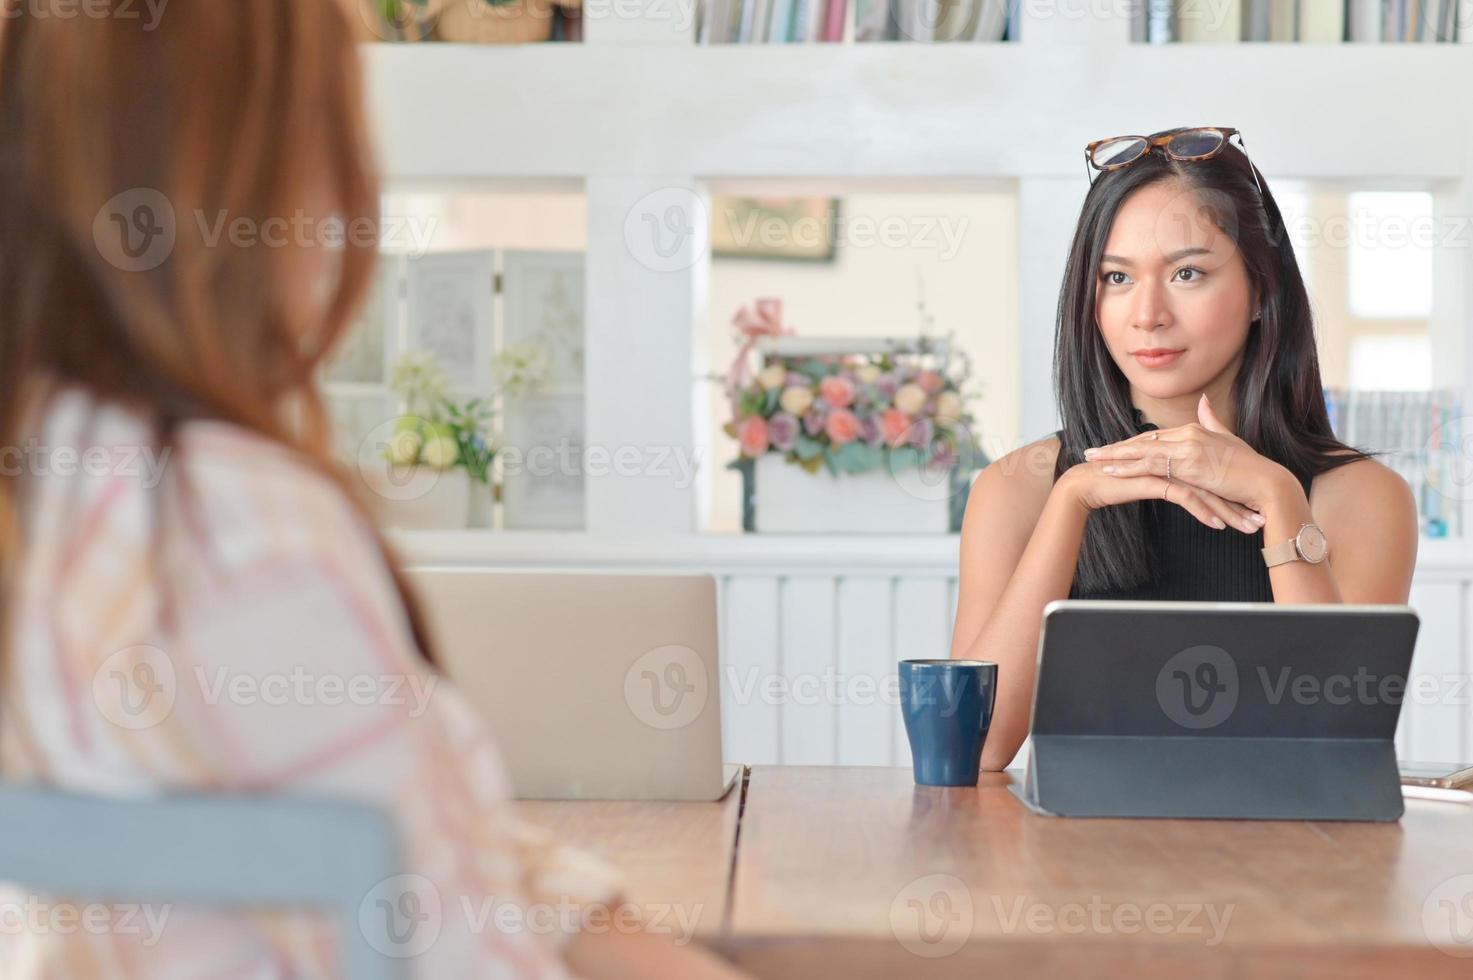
1312, 543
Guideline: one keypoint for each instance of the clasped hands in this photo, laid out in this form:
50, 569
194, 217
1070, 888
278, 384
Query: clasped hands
1204, 454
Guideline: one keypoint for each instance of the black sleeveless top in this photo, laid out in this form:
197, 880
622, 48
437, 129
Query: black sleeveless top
1196, 562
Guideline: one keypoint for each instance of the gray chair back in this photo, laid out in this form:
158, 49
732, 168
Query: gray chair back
214, 850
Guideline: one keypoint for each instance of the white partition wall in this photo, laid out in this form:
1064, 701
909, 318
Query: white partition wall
811, 634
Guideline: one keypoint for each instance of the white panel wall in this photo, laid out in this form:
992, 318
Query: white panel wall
809, 666
1434, 721
826, 648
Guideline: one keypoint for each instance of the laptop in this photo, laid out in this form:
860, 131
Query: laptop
595, 686
1218, 710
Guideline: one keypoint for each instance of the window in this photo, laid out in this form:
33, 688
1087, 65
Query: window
1390, 243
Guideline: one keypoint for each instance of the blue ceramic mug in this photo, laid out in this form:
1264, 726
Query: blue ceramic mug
947, 705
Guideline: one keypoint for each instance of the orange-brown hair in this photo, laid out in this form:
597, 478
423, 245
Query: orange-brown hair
250, 109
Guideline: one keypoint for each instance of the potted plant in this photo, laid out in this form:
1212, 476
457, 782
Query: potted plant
437, 462
400, 20
498, 21
848, 435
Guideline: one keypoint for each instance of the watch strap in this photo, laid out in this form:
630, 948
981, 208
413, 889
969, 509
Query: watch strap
1278, 554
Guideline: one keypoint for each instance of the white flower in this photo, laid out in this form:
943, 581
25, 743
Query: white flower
867, 373
796, 400
441, 453
948, 405
520, 369
910, 399
418, 379
404, 448
772, 376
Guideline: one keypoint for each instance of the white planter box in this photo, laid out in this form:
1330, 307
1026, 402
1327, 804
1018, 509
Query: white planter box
790, 500
420, 499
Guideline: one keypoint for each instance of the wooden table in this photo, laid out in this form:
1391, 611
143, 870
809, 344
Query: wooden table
672, 854
858, 872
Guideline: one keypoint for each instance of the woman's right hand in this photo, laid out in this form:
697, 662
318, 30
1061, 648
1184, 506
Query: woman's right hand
1093, 488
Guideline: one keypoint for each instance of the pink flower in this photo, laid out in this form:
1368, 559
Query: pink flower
813, 423
887, 385
842, 426
893, 424
782, 428
869, 430
837, 390
753, 436
922, 432
930, 381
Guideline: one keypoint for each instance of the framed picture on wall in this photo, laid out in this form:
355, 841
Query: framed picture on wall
793, 229
450, 311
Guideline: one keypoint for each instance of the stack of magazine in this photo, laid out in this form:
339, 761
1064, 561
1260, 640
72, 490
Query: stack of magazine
800, 21
1421, 436
1313, 21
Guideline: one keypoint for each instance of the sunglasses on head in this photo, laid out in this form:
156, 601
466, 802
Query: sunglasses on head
1188, 145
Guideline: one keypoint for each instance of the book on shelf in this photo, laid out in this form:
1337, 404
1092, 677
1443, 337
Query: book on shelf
1210, 21
1160, 21
1321, 22
1409, 21
800, 21
780, 25
833, 20
1311, 21
1419, 435
1151, 21
1363, 21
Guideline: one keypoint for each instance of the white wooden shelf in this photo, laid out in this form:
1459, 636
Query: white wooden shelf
1393, 113
776, 554
1437, 560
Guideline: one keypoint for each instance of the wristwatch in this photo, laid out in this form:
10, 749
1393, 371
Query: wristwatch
1308, 545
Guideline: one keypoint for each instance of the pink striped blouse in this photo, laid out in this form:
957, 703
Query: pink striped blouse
218, 618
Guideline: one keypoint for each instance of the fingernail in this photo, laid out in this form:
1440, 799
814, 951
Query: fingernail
1090, 452
1249, 526
1109, 469
1258, 519
1217, 523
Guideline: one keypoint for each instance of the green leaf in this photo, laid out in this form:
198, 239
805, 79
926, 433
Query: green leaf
849, 458
807, 448
865, 457
769, 401
905, 457
814, 369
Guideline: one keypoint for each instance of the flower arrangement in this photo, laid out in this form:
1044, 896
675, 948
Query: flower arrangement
849, 413
521, 369
437, 431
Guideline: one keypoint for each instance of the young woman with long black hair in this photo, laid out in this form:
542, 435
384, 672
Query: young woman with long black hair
1196, 459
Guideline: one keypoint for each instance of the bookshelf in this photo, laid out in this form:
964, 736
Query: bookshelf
646, 121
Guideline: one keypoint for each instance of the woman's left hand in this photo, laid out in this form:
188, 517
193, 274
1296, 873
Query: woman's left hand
1203, 454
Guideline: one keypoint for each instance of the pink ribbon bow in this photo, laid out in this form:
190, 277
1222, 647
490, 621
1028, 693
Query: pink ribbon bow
766, 321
